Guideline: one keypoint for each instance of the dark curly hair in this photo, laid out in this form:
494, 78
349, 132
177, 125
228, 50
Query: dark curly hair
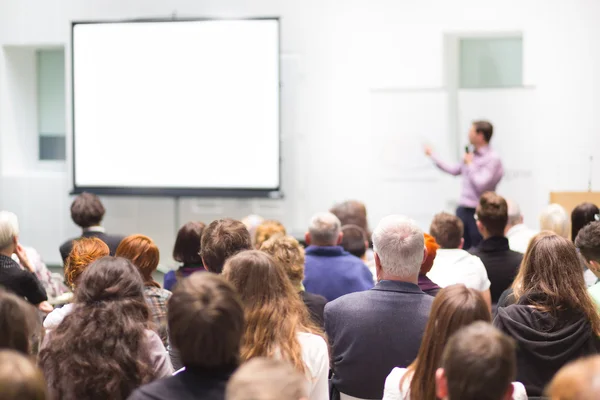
98, 351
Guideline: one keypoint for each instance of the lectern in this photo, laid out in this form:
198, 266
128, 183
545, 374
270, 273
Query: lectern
570, 200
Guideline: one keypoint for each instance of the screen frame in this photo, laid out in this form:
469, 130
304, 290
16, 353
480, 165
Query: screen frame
273, 193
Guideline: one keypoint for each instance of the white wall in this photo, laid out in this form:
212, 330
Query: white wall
335, 54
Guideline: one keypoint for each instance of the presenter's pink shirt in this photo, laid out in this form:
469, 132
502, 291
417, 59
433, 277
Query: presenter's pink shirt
482, 175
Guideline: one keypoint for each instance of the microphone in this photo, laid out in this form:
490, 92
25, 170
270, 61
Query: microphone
467, 150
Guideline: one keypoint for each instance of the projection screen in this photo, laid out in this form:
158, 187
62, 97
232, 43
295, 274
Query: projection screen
176, 107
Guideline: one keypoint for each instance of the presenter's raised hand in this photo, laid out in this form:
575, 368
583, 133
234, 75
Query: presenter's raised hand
428, 150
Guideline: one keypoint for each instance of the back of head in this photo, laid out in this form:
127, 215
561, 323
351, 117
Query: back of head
515, 217
554, 218
454, 307
19, 323
84, 252
354, 240
447, 230
588, 242
20, 379
143, 253
352, 212
577, 380
399, 245
187, 243
9, 229
267, 230
206, 321
432, 247
266, 379
222, 239
485, 128
324, 230
479, 363
87, 210
288, 253
582, 215
492, 213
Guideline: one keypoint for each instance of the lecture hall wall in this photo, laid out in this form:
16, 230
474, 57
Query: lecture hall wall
333, 54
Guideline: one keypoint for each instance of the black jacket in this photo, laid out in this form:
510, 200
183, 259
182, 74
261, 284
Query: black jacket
21, 282
373, 331
112, 241
316, 306
500, 262
545, 342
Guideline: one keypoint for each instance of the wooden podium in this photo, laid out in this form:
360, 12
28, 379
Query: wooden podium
570, 200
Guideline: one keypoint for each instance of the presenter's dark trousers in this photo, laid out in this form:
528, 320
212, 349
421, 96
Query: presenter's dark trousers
471, 235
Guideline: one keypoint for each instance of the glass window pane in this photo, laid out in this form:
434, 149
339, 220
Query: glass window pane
51, 103
491, 62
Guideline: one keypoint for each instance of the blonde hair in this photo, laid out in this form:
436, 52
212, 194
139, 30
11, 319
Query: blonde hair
9, 228
20, 379
577, 380
266, 230
289, 254
555, 218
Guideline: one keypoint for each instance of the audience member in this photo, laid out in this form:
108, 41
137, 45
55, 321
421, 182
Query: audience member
500, 262
20, 379
588, 244
452, 264
187, 252
555, 219
87, 212
102, 349
222, 239
553, 319
454, 307
251, 222
331, 271
353, 212
582, 215
355, 241
373, 331
266, 379
577, 380
84, 252
517, 233
20, 327
426, 284
288, 253
22, 282
478, 363
266, 230
277, 323
52, 283
206, 323
144, 254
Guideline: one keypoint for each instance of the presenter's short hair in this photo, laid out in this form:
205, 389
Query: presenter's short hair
87, 210
222, 239
485, 128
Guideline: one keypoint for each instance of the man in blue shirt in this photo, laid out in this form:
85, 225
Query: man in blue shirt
330, 271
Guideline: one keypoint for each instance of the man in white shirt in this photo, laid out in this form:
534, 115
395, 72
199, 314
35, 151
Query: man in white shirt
518, 234
452, 264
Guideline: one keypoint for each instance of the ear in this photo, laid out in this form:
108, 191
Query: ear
203, 263
424, 255
441, 384
378, 269
307, 238
462, 243
509, 392
594, 265
340, 237
480, 227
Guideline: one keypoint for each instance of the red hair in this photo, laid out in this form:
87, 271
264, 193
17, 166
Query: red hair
84, 252
432, 246
143, 253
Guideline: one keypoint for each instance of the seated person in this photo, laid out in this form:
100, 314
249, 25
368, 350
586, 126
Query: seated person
87, 212
221, 239
588, 244
266, 230
555, 219
355, 242
582, 215
478, 363
187, 252
20, 378
22, 282
426, 284
330, 271
517, 233
206, 324
20, 325
577, 380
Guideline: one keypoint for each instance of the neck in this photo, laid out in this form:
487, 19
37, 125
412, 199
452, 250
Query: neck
6, 252
397, 278
481, 146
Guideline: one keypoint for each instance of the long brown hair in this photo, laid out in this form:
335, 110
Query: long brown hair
143, 253
20, 324
551, 268
454, 307
274, 312
98, 351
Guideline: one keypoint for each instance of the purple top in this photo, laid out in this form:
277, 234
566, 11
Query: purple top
482, 175
426, 285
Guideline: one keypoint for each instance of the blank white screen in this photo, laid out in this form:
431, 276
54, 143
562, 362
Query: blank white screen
176, 104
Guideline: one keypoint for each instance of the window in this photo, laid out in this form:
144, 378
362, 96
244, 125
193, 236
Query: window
51, 104
492, 62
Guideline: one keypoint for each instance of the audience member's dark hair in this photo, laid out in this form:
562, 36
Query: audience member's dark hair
453, 308
352, 212
492, 212
354, 240
87, 210
588, 241
20, 378
485, 128
99, 351
479, 362
447, 230
206, 321
582, 215
222, 239
20, 325
187, 244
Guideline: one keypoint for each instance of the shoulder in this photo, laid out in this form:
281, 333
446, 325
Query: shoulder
315, 351
157, 390
519, 392
348, 299
312, 298
391, 390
